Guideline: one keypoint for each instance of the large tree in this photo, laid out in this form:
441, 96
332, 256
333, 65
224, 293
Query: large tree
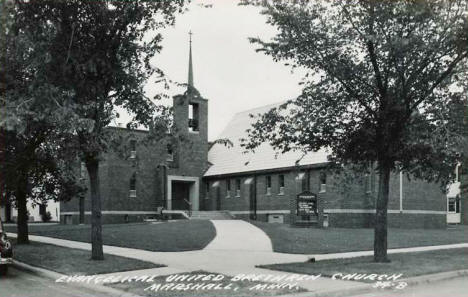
98, 53
32, 150
380, 86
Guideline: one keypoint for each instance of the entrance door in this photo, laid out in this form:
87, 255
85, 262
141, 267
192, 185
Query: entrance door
181, 195
183, 192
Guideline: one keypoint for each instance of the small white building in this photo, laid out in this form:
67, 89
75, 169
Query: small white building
35, 212
453, 199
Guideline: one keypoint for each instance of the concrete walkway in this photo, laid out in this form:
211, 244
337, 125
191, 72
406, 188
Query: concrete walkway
237, 235
237, 249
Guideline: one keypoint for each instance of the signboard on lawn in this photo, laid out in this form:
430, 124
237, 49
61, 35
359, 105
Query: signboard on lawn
306, 203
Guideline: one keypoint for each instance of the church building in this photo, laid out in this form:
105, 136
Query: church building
185, 179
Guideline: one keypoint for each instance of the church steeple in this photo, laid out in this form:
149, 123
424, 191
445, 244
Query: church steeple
190, 70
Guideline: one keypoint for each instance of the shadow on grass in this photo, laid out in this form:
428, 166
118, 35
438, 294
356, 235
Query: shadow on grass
73, 261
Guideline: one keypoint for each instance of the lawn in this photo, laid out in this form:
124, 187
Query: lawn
73, 261
226, 287
287, 239
408, 264
184, 235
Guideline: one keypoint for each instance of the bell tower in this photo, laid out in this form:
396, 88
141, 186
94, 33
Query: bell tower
191, 122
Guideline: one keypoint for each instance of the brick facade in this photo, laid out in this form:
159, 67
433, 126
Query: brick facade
151, 167
423, 205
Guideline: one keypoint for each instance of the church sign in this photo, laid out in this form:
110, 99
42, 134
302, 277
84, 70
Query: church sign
306, 203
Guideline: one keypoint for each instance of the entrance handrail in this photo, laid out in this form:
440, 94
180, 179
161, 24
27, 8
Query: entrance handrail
190, 207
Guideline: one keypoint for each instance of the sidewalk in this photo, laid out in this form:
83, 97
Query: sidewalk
237, 249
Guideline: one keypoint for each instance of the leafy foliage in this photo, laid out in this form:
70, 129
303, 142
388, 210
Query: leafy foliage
34, 158
383, 85
79, 60
383, 81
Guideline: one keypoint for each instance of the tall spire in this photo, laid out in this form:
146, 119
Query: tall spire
190, 70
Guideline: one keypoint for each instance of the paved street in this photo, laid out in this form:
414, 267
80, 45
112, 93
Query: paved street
20, 283
457, 287
250, 248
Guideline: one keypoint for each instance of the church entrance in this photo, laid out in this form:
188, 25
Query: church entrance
182, 193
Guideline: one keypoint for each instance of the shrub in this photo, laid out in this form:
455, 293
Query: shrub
46, 217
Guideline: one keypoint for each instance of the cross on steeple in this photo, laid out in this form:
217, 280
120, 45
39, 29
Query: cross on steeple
190, 71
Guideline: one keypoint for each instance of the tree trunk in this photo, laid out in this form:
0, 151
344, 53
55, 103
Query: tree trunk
92, 166
82, 211
21, 202
380, 229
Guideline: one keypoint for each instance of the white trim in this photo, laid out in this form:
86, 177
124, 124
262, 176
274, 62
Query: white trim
281, 211
420, 212
392, 211
339, 210
123, 212
109, 212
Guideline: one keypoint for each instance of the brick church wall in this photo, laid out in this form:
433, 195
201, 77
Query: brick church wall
424, 204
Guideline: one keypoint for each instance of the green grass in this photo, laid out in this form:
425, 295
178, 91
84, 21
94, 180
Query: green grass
73, 261
163, 237
287, 239
409, 264
237, 288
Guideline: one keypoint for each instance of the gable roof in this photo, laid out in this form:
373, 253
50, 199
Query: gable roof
231, 160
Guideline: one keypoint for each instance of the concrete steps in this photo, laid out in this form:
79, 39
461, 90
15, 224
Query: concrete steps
211, 215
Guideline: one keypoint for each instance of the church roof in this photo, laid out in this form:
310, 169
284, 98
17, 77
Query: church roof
231, 160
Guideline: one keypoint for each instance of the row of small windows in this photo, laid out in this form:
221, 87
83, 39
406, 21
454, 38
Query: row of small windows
236, 192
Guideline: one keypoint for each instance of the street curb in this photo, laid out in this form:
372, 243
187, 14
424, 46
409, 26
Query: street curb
55, 275
435, 277
367, 288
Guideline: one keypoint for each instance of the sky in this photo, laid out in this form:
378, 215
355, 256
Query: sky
227, 69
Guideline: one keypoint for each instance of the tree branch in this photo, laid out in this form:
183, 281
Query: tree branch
443, 76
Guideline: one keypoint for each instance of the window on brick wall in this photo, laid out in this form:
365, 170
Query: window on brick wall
170, 153
238, 187
323, 182
207, 190
281, 184
133, 180
133, 149
268, 185
228, 188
